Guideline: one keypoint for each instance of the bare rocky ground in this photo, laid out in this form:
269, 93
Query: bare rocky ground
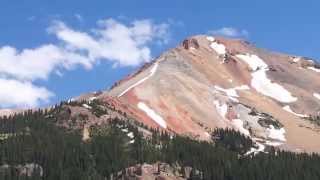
158, 171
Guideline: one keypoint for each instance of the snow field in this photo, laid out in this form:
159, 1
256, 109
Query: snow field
152, 114
261, 82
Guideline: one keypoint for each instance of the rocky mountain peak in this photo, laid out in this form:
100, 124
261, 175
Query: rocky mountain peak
214, 82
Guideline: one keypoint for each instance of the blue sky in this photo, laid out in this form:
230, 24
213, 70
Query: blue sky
43, 33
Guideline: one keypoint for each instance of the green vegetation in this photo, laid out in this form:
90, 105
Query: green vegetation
315, 120
63, 155
97, 109
232, 140
266, 122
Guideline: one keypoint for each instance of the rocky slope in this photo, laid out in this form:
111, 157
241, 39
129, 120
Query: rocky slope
161, 171
209, 82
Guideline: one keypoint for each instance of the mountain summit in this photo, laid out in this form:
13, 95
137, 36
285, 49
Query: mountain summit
213, 82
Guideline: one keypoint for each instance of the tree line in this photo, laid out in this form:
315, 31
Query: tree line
33, 137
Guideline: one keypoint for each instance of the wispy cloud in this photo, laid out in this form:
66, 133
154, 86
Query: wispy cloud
112, 41
23, 94
230, 32
125, 45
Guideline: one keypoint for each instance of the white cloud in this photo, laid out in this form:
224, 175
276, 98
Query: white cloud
126, 45
24, 94
38, 63
112, 41
230, 32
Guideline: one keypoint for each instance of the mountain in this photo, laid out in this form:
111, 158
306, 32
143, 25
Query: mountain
211, 108
213, 82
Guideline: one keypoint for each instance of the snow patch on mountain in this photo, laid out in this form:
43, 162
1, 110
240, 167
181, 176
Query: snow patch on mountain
288, 109
238, 124
276, 134
231, 92
314, 69
86, 106
207, 134
296, 59
261, 82
130, 135
152, 72
243, 87
254, 62
221, 109
152, 114
273, 143
256, 150
125, 130
210, 38
219, 48
316, 95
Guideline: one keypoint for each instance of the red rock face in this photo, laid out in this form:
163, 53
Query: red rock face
130, 109
231, 113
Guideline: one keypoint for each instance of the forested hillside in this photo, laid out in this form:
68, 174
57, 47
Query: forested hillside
33, 147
